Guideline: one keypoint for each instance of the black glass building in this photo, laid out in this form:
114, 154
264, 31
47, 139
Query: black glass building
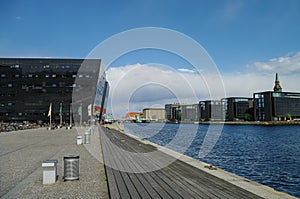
29, 85
276, 106
212, 110
238, 108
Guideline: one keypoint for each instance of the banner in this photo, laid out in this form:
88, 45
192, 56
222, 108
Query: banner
79, 111
90, 110
60, 110
50, 110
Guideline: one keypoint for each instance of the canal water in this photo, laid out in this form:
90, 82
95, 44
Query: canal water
269, 155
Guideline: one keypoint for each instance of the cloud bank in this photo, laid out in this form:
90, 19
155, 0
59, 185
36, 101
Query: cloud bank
286, 65
138, 86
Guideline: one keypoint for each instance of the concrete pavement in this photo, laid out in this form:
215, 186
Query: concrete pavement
21, 157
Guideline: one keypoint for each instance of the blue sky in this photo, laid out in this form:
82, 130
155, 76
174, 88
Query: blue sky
248, 40
234, 33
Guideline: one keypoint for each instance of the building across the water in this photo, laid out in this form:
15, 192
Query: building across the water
154, 114
182, 112
190, 112
173, 112
212, 110
238, 108
30, 86
276, 105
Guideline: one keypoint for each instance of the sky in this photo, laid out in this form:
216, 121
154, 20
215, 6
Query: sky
249, 41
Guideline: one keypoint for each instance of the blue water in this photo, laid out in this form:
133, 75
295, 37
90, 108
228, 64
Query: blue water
269, 155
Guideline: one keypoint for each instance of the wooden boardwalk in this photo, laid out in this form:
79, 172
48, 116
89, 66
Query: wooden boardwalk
137, 170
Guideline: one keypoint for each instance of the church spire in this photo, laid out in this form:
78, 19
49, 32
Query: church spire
277, 87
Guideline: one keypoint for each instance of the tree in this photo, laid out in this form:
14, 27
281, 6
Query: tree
289, 116
247, 117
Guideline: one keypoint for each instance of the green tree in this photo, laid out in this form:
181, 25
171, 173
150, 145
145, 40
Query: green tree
247, 117
179, 115
289, 116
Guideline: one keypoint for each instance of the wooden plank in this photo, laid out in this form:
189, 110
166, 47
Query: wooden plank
166, 187
177, 180
145, 189
223, 188
111, 181
117, 180
112, 184
126, 189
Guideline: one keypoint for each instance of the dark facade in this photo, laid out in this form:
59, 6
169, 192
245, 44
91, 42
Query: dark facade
212, 110
182, 112
30, 85
276, 106
173, 112
190, 112
238, 108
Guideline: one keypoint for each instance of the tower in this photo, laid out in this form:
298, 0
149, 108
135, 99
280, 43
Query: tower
277, 87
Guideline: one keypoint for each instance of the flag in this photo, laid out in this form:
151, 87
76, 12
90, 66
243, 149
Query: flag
90, 110
60, 110
80, 110
50, 110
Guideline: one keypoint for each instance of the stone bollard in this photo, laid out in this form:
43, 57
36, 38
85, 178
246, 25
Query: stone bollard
49, 171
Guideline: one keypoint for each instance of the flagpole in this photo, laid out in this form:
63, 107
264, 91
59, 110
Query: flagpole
80, 114
70, 115
50, 115
60, 114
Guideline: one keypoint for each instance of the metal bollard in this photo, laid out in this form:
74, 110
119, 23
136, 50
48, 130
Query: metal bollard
71, 167
87, 137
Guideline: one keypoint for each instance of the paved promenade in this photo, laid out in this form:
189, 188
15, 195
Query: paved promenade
21, 157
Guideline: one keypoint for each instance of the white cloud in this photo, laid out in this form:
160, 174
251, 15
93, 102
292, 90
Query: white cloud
185, 70
289, 64
138, 86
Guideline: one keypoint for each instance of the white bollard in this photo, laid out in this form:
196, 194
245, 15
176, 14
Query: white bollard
49, 171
